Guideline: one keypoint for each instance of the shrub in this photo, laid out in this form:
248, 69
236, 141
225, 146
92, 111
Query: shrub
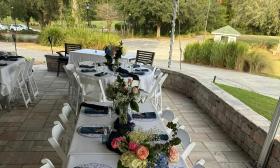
253, 62
225, 55
260, 41
56, 33
79, 35
215, 54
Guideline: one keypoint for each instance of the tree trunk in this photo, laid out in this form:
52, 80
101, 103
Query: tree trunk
75, 11
158, 30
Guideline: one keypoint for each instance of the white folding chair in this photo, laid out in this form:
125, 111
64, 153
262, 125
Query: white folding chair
28, 76
199, 164
65, 113
158, 93
21, 85
93, 91
69, 69
67, 119
186, 143
57, 132
46, 163
149, 95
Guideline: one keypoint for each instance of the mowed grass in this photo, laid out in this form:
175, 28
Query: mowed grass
261, 104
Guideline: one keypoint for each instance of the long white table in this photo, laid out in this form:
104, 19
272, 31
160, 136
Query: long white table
93, 55
84, 150
146, 81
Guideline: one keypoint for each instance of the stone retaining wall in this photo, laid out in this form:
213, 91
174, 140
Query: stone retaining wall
247, 128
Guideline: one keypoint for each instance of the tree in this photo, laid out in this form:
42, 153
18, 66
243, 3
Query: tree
257, 16
4, 9
23, 10
106, 12
47, 10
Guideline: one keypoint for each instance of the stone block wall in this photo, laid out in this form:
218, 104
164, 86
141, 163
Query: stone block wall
247, 128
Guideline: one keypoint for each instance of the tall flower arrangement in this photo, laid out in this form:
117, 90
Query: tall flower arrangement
113, 54
124, 94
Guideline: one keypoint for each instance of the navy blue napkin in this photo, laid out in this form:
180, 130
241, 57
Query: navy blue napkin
141, 70
88, 70
147, 115
86, 66
95, 109
135, 66
160, 137
101, 74
138, 73
3, 64
91, 130
12, 59
104, 110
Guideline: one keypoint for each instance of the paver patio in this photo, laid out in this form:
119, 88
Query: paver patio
24, 132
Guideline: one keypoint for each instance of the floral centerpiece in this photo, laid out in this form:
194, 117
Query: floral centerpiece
138, 149
113, 54
124, 95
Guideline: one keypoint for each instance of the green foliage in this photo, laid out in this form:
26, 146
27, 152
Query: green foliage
58, 35
261, 104
256, 62
260, 41
257, 16
4, 9
225, 55
79, 35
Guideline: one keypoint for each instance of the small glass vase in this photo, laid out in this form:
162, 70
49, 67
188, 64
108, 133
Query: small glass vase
123, 114
123, 123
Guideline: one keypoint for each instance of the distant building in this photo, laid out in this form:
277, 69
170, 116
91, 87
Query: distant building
226, 34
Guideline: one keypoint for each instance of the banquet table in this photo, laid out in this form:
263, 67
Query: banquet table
146, 81
85, 151
93, 55
7, 74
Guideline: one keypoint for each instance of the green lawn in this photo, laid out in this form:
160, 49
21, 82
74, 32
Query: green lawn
261, 104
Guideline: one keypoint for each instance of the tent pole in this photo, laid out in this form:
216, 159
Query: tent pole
175, 7
263, 158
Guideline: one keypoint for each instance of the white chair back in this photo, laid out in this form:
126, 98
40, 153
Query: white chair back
186, 142
199, 164
152, 92
92, 88
167, 115
57, 131
65, 113
46, 163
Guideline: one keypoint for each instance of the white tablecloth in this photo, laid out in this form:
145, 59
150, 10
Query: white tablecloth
146, 81
85, 150
93, 55
7, 74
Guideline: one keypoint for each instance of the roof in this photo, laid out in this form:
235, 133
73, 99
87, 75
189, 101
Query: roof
227, 30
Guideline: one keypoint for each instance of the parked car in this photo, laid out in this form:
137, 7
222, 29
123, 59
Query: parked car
18, 27
3, 27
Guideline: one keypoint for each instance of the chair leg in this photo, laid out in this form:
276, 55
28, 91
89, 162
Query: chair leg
58, 68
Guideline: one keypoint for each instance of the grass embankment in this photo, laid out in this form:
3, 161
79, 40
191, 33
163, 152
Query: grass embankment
261, 104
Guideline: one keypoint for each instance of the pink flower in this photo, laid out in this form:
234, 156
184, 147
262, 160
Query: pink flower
173, 154
116, 142
135, 90
132, 146
142, 152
